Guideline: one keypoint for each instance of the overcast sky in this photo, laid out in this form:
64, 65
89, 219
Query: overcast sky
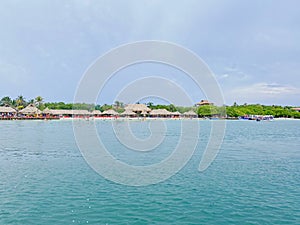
252, 47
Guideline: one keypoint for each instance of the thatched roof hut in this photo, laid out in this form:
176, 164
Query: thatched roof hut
60, 112
110, 112
47, 111
30, 110
128, 112
80, 112
137, 108
190, 113
297, 109
7, 109
204, 102
160, 112
176, 113
96, 113
69, 112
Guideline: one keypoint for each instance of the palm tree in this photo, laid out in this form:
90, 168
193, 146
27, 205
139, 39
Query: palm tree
6, 101
117, 104
38, 100
150, 105
20, 101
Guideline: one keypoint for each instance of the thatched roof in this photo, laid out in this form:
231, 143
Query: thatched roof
160, 112
190, 113
137, 107
96, 112
81, 112
7, 109
204, 102
128, 112
60, 112
110, 112
176, 113
47, 111
66, 112
30, 110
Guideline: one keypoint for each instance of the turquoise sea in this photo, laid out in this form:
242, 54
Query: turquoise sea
255, 179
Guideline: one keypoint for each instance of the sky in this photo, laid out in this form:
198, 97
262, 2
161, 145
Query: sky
252, 46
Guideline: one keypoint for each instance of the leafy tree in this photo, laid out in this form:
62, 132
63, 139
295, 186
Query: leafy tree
208, 111
172, 108
105, 107
97, 107
183, 109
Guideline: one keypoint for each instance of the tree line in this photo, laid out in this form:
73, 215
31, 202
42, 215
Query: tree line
233, 111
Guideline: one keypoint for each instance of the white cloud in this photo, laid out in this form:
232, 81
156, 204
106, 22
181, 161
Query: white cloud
267, 90
233, 74
224, 76
263, 92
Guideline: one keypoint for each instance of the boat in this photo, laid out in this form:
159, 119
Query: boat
257, 117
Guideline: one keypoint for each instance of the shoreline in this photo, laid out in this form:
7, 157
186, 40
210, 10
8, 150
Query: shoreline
132, 119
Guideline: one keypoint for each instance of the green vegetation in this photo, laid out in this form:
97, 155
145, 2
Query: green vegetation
257, 109
171, 107
233, 111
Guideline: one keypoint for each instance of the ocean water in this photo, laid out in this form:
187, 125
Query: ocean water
255, 179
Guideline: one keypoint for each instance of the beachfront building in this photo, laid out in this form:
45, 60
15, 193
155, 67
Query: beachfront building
204, 102
190, 114
160, 113
109, 113
7, 112
96, 113
79, 113
140, 109
176, 114
59, 112
47, 113
128, 113
66, 113
30, 111
297, 109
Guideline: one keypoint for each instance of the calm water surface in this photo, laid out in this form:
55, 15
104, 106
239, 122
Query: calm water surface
255, 179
